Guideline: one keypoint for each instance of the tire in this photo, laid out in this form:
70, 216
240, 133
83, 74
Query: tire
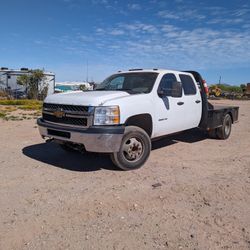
134, 151
212, 134
224, 131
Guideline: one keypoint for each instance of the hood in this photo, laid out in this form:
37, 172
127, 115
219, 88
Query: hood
87, 98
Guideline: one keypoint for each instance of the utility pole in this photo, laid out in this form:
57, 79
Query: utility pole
6, 80
220, 80
87, 75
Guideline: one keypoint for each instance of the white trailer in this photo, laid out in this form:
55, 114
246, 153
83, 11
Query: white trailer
8, 80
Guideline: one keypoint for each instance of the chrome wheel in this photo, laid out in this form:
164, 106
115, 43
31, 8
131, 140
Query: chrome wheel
135, 149
132, 149
227, 126
224, 131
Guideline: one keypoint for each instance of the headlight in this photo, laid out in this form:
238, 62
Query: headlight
109, 115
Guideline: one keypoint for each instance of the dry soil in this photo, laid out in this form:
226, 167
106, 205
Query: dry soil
193, 193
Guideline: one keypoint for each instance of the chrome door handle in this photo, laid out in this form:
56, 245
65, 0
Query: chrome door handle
180, 103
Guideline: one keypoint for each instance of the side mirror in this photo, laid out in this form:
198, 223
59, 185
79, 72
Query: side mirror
164, 92
161, 93
176, 89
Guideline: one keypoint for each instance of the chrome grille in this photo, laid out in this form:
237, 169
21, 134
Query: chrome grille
66, 120
70, 108
74, 115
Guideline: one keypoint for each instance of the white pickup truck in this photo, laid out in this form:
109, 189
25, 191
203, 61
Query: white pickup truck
130, 109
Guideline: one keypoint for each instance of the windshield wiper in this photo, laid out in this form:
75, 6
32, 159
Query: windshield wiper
127, 90
102, 89
130, 90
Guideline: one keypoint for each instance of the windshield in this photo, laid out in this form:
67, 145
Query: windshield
131, 82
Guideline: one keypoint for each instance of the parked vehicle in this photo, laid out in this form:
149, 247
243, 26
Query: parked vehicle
129, 110
215, 91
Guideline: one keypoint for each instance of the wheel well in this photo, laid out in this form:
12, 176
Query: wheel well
143, 121
231, 115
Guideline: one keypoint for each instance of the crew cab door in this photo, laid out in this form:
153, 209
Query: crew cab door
192, 101
175, 111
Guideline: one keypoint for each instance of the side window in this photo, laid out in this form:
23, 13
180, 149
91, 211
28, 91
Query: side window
167, 83
188, 85
117, 82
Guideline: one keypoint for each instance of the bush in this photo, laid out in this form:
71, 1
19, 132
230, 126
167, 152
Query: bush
23, 104
3, 94
20, 102
230, 88
2, 115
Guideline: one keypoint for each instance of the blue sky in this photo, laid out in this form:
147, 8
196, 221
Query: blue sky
212, 37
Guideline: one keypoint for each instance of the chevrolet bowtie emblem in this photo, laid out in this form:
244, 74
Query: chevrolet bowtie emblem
59, 113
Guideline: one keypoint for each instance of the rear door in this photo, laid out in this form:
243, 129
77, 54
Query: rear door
192, 101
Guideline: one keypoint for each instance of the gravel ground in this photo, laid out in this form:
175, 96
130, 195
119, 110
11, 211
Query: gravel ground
193, 193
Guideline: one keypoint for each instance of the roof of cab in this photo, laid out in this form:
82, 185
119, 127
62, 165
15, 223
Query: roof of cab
153, 70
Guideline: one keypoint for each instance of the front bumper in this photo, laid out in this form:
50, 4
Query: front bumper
102, 139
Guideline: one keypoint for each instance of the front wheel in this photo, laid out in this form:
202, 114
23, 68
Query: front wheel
134, 151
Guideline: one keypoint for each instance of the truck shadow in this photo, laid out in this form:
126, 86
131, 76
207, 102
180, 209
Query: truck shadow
52, 154
189, 136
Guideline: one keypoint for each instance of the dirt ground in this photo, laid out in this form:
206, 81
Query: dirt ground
193, 193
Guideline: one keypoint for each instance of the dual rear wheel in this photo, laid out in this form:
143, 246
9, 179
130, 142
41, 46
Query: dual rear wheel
224, 131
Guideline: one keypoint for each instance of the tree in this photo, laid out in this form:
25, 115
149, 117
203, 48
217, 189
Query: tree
243, 87
83, 87
34, 83
24, 81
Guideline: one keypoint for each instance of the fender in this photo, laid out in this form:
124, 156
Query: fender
143, 121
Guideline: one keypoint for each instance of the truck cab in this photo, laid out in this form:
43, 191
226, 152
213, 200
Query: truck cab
128, 110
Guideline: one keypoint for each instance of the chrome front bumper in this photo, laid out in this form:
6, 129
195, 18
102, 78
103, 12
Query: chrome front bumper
100, 139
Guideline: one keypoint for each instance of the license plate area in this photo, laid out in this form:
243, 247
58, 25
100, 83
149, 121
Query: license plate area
59, 133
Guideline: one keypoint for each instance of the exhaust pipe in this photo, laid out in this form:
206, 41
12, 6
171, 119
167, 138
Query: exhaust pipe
49, 140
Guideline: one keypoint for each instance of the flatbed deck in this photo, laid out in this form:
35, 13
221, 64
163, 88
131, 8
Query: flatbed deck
216, 114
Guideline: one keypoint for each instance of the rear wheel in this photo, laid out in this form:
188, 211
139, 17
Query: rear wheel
135, 149
212, 133
224, 131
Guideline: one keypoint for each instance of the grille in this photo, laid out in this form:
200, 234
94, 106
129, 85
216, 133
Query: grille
66, 120
70, 108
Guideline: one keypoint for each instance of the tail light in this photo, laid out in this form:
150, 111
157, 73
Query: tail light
205, 87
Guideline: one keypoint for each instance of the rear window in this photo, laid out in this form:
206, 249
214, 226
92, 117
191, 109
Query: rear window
188, 85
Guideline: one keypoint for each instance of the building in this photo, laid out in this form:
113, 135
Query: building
248, 88
8, 80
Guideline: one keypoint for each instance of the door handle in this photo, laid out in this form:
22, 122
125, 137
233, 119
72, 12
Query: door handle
180, 103
197, 101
